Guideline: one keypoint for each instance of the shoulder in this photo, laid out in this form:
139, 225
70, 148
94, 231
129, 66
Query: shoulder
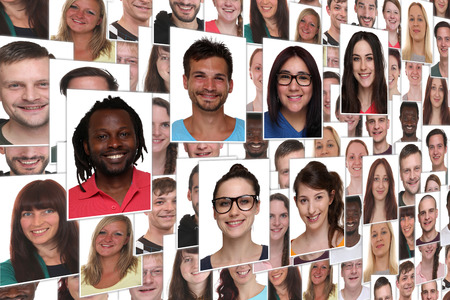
7, 274
264, 252
205, 263
180, 133
248, 33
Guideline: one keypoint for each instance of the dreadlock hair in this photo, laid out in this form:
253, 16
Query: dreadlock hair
80, 136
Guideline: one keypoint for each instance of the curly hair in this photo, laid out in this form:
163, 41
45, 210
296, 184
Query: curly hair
172, 150
227, 289
81, 135
92, 271
98, 43
153, 81
306, 12
390, 205
316, 176
407, 50
314, 108
42, 194
350, 86
179, 288
427, 107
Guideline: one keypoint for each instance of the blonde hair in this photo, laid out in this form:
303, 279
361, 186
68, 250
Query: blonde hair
98, 42
393, 265
407, 50
330, 287
304, 13
335, 135
92, 271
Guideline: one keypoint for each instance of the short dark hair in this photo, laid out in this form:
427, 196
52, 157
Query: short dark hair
21, 50
408, 150
435, 132
286, 147
207, 48
404, 268
337, 1
381, 281
163, 186
84, 72
354, 199
82, 160
376, 3
439, 25
191, 177
333, 75
409, 104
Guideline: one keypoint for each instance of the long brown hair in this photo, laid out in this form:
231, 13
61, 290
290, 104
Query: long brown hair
285, 200
427, 109
390, 206
257, 23
179, 288
153, 81
37, 12
42, 194
316, 176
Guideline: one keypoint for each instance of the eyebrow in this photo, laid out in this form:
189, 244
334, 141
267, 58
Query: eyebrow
204, 73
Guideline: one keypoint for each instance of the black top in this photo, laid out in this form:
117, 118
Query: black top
205, 263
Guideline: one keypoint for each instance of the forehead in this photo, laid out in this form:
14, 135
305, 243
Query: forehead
353, 206
124, 49
443, 31
429, 286
415, 10
427, 203
436, 138
88, 83
383, 290
93, 4
376, 118
151, 261
213, 64
365, 2
414, 158
358, 147
103, 118
328, 81
117, 225
408, 110
379, 227
22, 66
157, 194
321, 263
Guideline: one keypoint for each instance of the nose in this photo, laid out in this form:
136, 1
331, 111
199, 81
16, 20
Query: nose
114, 142
358, 161
234, 209
170, 206
294, 86
30, 93
276, 221
37, 220
311, 208
148, 278
202, 146
363, 64
210, 84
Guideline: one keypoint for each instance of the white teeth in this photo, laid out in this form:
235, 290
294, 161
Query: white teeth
186, 8
32, 107
28, 162
234, 222
39, 231
314, 218
115, 156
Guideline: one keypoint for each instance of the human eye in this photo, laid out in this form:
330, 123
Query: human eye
43, 84
27, 214
159, 202
374, 235
101, 137
383, 232
352, 157
411, 19
14, 85
244, 201
284, 215
125, 134
402, 219
376, 179
49, 211
91, 12
285, 76
102, 232
73, 6
330, 145
118, 233
319, 147
355, 58
187, 260
224, 202
164, 57
302, 21
165, 125
370, 58
220, 78
385, 179
303, 200
303, 77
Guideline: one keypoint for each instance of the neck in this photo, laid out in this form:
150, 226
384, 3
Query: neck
409, 138
226, 27
155, 235
297, 119
427, 264
109, 263
443, 66
19, 134
351, 293
411, 242
355, 185
131, 24
158, 162
17, 12
249, 289
49, 253
187, 25
334, 32
319, 290
365, 97
272, 26
440, 167
418, 48
381, 263
276, 251
408, 198
380, 147
429, 235
393, 37
351, 239
114, 183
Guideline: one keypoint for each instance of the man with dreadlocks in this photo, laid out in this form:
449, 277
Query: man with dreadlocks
109, 140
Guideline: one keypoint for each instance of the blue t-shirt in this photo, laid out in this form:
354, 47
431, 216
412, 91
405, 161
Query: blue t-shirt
181, 134
283, 130
261, 296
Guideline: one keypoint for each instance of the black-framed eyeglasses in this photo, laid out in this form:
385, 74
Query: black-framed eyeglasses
303, 79
223, 205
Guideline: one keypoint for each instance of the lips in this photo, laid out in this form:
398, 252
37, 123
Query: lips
235, 223
202, 154
378, 246
32, 107
314, 218
295, 98
39, 232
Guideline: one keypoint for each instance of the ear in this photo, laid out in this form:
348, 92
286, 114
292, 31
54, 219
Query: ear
295, 200
185, 82
99, 21
189, 195
185, 147
396, 283
333, 192
355, 7
221, 145
257, 208
250, 73
126, 241
328, 10
230, 87
388, 124
86, 148
215, 213
2, 150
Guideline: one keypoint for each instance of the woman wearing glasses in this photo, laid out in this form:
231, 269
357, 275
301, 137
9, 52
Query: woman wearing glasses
236, 203
293, 96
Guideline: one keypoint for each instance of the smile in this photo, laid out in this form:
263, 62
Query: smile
380, 246
142, 7
203, 154
78, 22
313, 219
116, 156
32, 107
186, 8
40, 231
364, 75
234, 223
295, 97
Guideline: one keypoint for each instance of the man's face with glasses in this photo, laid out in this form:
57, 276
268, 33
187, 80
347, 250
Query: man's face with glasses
294, 86
235, 207
351, 272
